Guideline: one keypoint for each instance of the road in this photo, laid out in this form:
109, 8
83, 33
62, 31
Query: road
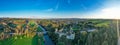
48, 41
119, 41
118, 32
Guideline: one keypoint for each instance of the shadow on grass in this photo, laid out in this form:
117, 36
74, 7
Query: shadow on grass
35, 40
8, 41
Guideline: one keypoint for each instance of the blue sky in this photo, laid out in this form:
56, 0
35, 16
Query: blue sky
51, 8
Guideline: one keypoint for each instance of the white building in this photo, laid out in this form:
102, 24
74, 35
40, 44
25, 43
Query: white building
69, 34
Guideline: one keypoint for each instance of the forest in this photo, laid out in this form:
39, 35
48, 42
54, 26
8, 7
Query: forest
15, 31
83, 31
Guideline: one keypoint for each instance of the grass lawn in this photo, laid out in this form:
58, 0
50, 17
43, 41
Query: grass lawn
24, 40
19, 41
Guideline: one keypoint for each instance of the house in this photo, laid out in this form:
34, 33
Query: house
71, 36
68, 33
91, 30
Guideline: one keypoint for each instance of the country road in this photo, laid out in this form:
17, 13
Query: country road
119, 41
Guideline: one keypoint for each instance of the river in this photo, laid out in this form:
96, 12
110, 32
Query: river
48, 41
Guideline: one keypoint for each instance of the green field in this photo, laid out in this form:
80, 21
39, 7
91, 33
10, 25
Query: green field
22, 41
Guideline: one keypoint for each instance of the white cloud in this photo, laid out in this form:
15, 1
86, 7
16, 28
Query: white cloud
110, 11
68, 1
57, 5
49, 10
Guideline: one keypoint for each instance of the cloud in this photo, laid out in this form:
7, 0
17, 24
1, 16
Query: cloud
105, 13
49, 10
68, 1
110, 11
57, 6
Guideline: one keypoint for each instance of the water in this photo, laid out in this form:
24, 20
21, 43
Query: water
48, 41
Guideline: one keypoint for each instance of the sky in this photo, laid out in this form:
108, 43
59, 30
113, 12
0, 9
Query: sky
60, 8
